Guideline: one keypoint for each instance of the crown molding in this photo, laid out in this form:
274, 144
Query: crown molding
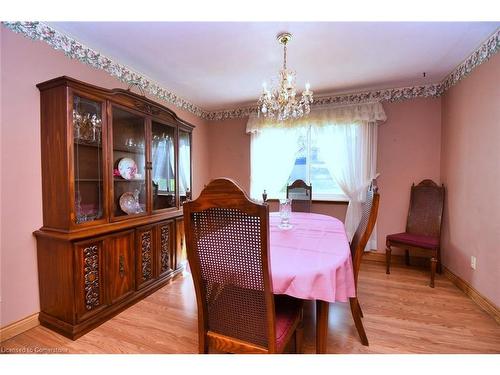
76, 50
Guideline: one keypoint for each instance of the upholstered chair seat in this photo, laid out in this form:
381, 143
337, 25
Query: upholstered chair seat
288, 312
426, 242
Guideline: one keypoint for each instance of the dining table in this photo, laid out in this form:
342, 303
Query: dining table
311, 260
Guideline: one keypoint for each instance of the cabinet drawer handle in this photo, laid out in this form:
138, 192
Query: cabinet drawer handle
122, 266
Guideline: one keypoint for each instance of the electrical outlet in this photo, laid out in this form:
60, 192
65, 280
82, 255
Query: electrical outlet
473, 262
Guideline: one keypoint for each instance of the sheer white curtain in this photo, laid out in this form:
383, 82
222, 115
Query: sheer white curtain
272, 154
159, 159
184, 160
350, 152
171, 156
163, 161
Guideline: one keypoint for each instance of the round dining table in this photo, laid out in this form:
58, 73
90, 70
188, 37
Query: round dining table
312, 261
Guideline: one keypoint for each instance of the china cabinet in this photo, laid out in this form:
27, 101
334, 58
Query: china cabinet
116, 169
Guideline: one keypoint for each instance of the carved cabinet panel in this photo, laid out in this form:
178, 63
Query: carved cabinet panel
89, 286
154, 252
165, 237
145, 256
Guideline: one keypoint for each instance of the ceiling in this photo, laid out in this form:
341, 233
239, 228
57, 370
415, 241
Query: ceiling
221, 65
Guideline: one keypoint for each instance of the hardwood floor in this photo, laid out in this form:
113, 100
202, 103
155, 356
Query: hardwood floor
402, 315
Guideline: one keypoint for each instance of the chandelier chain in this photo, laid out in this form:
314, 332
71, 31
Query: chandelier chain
284, 57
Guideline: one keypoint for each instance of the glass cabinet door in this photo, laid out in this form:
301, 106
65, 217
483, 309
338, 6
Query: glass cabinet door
184, 165
129, 163
163, 165
88, 160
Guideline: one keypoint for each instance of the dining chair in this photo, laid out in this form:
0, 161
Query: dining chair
423, 226
301, 195
358, 244
227, 237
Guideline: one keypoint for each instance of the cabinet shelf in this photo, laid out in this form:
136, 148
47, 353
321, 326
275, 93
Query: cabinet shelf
130, 150
134, 180
85, 144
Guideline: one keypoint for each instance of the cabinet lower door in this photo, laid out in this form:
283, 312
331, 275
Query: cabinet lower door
165, 240
180, 244
119, 267
145, 256
89, 256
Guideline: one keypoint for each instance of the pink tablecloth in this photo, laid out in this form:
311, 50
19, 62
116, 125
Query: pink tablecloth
312, 260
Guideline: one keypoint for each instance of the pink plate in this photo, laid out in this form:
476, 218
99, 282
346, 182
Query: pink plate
127, 168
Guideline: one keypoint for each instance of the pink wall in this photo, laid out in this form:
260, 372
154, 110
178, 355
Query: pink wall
470, 169
25, 63
408, 151
230, 151
409, 146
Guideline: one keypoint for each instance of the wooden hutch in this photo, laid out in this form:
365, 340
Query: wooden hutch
116, 169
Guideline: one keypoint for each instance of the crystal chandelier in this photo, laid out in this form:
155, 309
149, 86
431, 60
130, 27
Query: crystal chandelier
281, 103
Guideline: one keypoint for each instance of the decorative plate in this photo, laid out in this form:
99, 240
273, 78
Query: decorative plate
127, 168
129, 203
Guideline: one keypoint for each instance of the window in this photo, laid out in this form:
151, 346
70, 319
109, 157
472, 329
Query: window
310, 167
324, 156
279, 156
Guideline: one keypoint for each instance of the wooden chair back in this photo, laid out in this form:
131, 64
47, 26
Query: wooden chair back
426, 209
301, 195
227, 237
365, 227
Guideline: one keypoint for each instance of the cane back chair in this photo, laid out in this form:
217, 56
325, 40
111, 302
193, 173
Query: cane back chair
358, 244
301, 195
423, 226
227, 238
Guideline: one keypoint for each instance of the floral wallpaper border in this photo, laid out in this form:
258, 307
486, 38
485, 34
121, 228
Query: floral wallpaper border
391, 95
482, 54
76, 50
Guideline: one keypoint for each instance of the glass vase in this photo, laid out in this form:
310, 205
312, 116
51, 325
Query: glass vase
285, 212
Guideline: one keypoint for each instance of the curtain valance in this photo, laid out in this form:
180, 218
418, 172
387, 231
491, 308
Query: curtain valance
339, 114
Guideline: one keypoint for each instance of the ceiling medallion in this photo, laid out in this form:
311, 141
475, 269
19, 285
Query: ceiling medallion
281, 103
